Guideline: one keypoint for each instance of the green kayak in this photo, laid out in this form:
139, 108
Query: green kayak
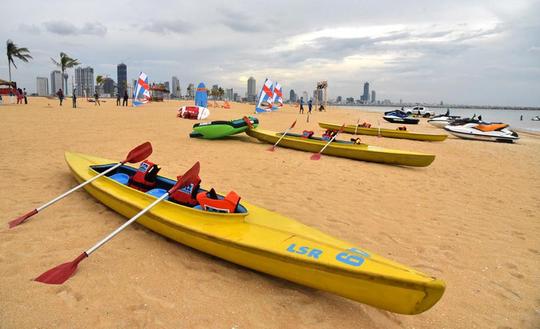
220, 129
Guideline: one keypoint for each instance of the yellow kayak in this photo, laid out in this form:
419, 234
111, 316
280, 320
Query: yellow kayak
268, 242
403, 134
345, 149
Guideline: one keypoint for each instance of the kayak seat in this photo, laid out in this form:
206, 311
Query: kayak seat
157, 192
491, 127
120, 178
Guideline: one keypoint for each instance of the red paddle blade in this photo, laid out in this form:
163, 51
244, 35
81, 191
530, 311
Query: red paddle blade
19, 220
187, 177
139, 153
316, 156
271, 148
61, 273
248, 121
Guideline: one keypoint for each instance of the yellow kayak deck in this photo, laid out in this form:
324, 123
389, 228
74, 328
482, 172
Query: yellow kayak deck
343, 149
390, 133
273, 244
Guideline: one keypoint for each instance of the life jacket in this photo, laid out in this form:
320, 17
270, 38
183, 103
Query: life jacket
307, 133
365, 125
145, 177
210, 201
402, 128
187, 194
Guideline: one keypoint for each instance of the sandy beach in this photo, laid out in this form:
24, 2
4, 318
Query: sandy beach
471, 218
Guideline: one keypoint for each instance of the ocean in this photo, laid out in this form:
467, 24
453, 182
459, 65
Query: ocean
512, 117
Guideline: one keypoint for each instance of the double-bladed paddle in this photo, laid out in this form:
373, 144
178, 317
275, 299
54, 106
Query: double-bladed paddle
273, 147
138, 154
63, 272
317, 156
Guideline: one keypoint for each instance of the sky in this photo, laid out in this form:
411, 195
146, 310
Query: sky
455, 51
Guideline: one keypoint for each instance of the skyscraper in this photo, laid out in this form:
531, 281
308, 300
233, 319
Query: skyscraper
108, 87
292, 96
365, 96
175, 90
121, 78
251, 89
373, 95
56, 81
84, 81
42, 86
229, 94
167, 86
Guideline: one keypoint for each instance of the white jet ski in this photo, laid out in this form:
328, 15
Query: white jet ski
493, 132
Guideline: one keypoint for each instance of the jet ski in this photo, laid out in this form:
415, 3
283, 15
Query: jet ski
536, 118
399, 116
494, 132
442, 120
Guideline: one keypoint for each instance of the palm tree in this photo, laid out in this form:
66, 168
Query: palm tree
220, 92
65, 62
15, 52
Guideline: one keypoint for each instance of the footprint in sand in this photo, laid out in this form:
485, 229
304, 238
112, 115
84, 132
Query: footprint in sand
70, 297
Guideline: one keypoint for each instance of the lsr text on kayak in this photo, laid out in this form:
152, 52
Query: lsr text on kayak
352, 256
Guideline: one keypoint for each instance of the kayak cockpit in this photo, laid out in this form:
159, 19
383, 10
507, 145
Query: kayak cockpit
124, 175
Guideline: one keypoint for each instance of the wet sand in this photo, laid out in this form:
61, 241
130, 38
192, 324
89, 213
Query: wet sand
471, 218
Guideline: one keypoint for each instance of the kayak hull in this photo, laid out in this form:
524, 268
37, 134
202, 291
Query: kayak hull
348, 150
390, 133
220, 129
273, 244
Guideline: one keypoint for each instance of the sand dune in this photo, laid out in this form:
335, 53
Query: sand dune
471, 218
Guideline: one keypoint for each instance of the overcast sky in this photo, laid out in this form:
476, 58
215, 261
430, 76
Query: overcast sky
475, 52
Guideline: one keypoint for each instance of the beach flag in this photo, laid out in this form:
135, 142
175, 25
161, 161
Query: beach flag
278, 97
141, 93
265, 96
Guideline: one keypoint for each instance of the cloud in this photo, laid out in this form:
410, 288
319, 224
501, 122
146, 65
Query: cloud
65, 28
168, 26
243, 23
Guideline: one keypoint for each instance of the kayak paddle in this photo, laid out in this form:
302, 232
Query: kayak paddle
63, 272
273, 147
138, 154
248, 122
317, 156
356, 128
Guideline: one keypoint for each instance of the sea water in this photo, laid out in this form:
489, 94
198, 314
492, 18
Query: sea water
512, 117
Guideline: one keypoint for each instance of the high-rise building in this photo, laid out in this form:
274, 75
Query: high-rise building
108, 87
121, 77
167, 86
251, 89
56, 81
229, 94
237, 97
84, 81
292, 96
365, 96
175, 90
373, 96
42, 86
191, 91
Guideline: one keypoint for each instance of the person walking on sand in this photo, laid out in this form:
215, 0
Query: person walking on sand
25, 96
126, 97
310, 106
301, 105
19, 96
60, 95
96, 99
117, 99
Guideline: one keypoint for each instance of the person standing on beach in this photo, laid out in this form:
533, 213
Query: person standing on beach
96, 99
309, 105
19, 96
117, 99
126, 97
521, 118
301, 105
74, 98
60, 95
25, 96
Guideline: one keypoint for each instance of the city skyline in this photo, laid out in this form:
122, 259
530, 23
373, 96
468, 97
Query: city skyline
457, 52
